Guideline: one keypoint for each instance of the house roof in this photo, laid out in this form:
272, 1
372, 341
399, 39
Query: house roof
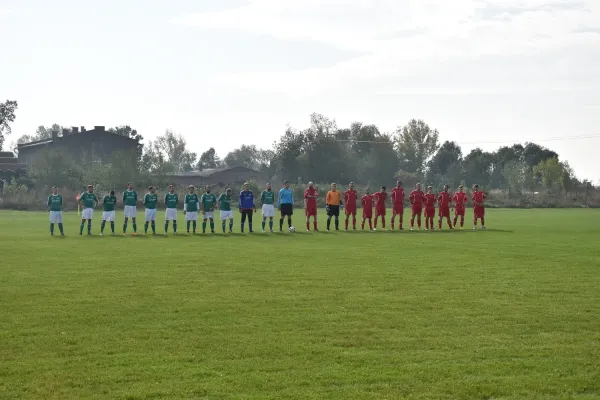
211, 171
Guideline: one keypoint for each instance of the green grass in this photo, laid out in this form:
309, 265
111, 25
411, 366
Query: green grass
509, 313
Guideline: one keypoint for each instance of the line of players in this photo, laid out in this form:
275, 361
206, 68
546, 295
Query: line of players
208, 203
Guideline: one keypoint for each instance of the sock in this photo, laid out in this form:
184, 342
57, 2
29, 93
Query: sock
419, 223
204, 226
146, 227
440, 224
482, 221
223, 225
475, 222
212, 225
89, 226
112, 226
263, 224
375, 222
102, 225
346, 223
449, 223
426, 223
52, 229
315, 224
392, 223
400, 222
289, 222
383, 223
166, 226
194, 224
307, 225
153, 225
188, 226
250, 226
231, 225
462, 222
125, 227
134, 227
60, 228
81, 227
328, 223
412, 223
281, 224
455, 219
174, 226
362, 225
337, 224
370, 225
271, 224
354, 223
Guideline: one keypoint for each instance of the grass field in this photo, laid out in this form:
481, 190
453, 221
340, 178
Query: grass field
508, 313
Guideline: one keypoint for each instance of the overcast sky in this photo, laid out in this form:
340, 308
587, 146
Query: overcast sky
228, 72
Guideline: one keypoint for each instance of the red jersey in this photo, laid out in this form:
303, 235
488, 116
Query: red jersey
310, 202
417, 197
444, 199
398, 195
381, 198
350, 197
429, 200
478, 197
367, 201
460, 199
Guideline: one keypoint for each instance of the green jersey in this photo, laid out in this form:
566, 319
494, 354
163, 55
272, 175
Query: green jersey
171, 200
208, 200
224, 202
191, 202
55, 202
267, 197
130, 197
88, 199
150, 201
109, 202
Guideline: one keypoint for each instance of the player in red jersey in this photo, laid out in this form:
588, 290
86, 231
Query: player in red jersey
416, 199
350, 198
380, 198
460, 200
367, 211
310, 205
478, 199
429, 202
398, 204
444, 207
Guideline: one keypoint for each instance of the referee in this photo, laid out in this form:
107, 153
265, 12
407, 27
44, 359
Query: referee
285, 204
333, 204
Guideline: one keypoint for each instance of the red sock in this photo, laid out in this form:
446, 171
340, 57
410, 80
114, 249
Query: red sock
475, 221
400, 222
455, 219
482, 221
412, 223
383, 223
315, 224
353, 223
346, 223
449, 223
371, 224
426, 223
362, 226
419, 223
462, 221
440, 223
308, 226
375, 222
392, 223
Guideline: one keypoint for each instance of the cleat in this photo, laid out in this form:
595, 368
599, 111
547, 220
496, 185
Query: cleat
474, 228
101, 234
483, 227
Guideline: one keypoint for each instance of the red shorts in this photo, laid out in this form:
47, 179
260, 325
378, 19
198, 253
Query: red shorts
429, 211
479, 211
311, 211
459, 211
444, 212
379, 211
351, 211
367, 214
417, 209
398, 208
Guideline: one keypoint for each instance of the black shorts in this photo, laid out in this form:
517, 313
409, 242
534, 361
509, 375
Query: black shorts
334, 211
287, 210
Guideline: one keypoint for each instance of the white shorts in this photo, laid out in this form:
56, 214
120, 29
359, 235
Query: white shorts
268, 210
171, 214
209, 215
87, 213
150, 214
108, 216
56, 217
191, 215
130, 211
226, 215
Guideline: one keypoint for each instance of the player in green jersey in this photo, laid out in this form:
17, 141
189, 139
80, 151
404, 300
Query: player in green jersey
267, 198
225, 210
130, 199
108, 214
89, 201
55, 202
171, 202
191, 204
207, 204
150, 201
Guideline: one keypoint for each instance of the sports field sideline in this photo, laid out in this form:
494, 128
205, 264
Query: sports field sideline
508, 313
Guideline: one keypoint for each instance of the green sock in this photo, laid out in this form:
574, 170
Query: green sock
102, 225
52, 229
112, 226
60, 228
188, 226
125, 227
212, 225
174, 226
153, 224
224, 223
134, 227
230, 225
145, 227
89, 227
271, 224
81, 228
263, 224
194, 224
166, 226
204, 226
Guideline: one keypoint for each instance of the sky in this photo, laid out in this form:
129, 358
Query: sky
484, 73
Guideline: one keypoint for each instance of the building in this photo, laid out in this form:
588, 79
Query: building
97, 143
218, 176
10, 167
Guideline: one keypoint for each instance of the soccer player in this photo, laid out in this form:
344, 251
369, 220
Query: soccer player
171, 202
429, 202
460, 200
478, 199
333, 203
310, 206
285, 204
398, 204
444, 207
267, 199
380, 199
55, 202
350, 198
89, 201
367, 211
225, 210
247, 206
108, 214
208, 201
191, 205
130, 199
150, 200
416, 198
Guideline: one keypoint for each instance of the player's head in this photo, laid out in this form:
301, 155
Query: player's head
476, 187
130, 186
429, 189
112, 192
151, 189
90, 188
418, 186
268, 187
191, 189
228, 191
383, 188
368, 191
54, 189
172, 188
246, 186
311, 185
207, 188
351, 185
333, 186
461, 188
446, 187
399, 184
286, 184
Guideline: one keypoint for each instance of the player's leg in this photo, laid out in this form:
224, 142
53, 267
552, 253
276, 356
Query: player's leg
271, 223
347, 219
194, 222
371, 223
383, 219
102, 225
153, 221
134, 224
250, 216
281, 221
315, 224
307, 221
412, 219
147, 223
289, 220
354, 219
60, 225
125, 222
400, 219
204, 219
376, 217
243, 222
419, 218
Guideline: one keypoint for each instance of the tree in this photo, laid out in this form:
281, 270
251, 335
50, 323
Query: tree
517, 176
287, 153
533, 154
416, 143
245, 156
445, 166
41, 133
127, 131
478, 166
381, 163
551, 172
174, 147
7, 116
209, 159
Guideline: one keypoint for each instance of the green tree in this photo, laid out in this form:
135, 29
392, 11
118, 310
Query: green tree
7, 116
551, 172
287, 155
478, 167
41, 133
517, 177
246, 156
416, 142
445, 167
208, 160
174, 147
